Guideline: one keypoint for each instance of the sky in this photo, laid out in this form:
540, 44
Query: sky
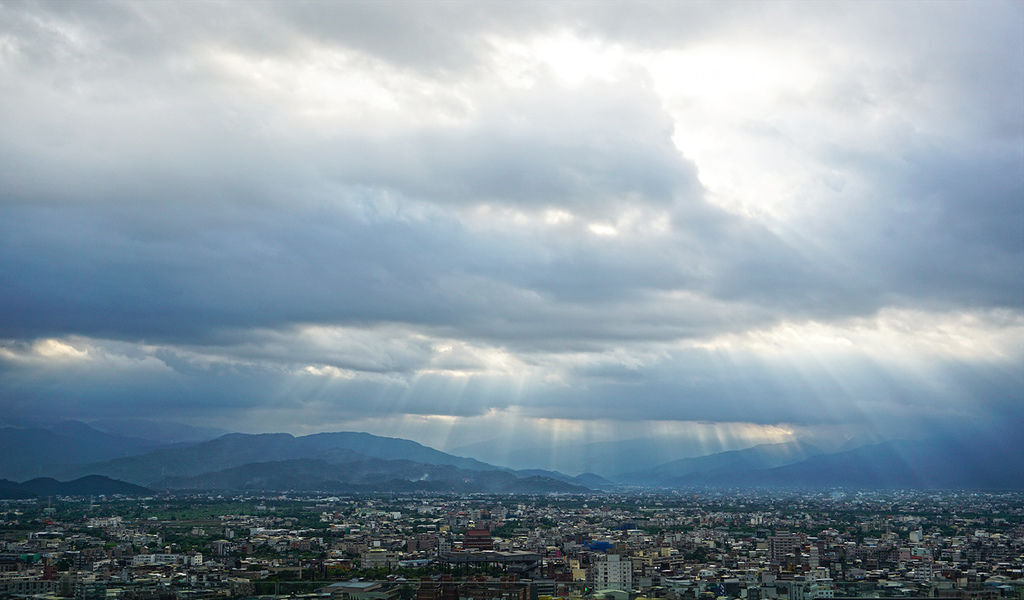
515, 224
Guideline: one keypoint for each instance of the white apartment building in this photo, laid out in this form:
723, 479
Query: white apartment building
611, 572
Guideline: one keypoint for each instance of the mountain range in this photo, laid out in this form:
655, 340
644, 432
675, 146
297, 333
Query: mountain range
687, 471
90, 485
334, 462
163, 432
353, 462
238, 449
920, 464
37, 452
354, 474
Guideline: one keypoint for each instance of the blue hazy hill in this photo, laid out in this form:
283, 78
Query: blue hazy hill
238, 449
90, 485
943, 463
764, 456
37, 451
352, 473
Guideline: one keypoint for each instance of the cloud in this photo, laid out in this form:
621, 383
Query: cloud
363, 212
899, 373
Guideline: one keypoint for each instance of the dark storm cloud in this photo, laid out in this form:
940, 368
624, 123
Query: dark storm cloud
686, 386
586, 150
946, 226
116, 268
157, 190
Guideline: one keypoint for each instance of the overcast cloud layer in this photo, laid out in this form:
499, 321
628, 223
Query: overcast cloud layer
558, 221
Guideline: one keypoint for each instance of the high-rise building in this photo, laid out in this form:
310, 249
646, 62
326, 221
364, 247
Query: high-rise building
783, 543
611, 572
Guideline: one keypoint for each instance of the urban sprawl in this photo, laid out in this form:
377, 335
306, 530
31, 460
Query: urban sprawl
681, 546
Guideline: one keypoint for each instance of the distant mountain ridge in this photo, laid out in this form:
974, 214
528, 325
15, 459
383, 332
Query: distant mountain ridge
90, 485
589, 480
362, 474
163, 432
37, 451
354, 461
337, 462
238, 449
682, 471
919, 464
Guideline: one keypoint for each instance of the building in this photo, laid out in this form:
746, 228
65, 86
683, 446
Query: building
611, 572
782, 544
478, 539
379, 558
27, 586
430, 589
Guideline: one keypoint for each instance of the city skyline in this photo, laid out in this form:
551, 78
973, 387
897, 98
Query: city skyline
529, 225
